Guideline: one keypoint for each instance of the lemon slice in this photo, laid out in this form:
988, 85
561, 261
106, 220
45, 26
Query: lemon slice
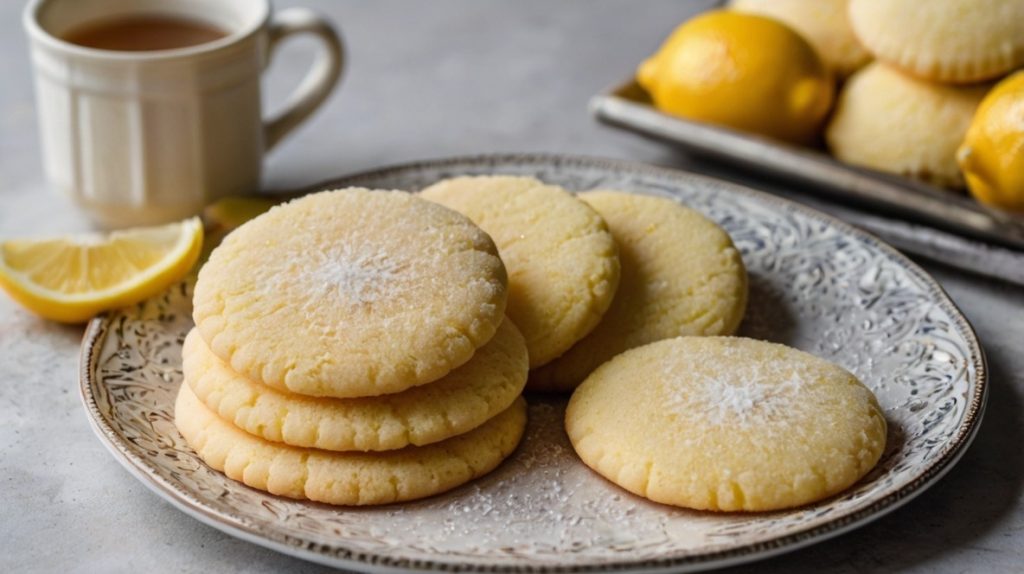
70, 279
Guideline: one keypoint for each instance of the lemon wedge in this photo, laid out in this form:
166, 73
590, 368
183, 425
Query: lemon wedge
70, 279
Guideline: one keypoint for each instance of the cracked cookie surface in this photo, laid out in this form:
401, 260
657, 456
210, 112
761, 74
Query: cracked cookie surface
347, 478
726, 424
351, 293
460, 401
680, 275
563, 266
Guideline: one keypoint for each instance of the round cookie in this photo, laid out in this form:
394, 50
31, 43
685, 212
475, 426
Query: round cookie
824, 23
892, 122
726, 424
349, 478
351, 293
454, 404
563, 265
959, 41
681, 275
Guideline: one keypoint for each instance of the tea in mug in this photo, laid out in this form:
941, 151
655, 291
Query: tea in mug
143, 33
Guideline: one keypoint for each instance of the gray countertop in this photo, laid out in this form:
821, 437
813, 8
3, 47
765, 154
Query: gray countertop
430, 79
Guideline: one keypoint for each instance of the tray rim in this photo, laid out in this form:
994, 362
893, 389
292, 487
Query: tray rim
97, 330
617, 108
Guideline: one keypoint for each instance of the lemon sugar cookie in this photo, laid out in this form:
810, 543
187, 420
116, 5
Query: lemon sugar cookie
726, 424
892, 122
681, 275
563, 265
351, 293
959, 41
350, 478
457, 403
824, 23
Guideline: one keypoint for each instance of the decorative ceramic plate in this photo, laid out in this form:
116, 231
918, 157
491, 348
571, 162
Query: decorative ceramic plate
816, 284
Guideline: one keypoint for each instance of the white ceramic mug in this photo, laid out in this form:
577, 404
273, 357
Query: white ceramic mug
138, 138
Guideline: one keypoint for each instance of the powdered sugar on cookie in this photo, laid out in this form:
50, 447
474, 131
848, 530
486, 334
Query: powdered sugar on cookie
737, 395
352, 274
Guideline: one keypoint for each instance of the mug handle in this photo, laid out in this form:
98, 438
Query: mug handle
319, 81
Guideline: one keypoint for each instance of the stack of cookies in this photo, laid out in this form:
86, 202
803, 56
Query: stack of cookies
351, 347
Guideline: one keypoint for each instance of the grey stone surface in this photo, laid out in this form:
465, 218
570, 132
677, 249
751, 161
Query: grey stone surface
430, 79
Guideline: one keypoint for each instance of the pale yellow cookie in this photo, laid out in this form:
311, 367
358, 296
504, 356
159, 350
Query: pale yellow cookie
726, 424
563, 265
959, 41
824, 23
347, 478
454, 404
681, 275
351, 293
892, 122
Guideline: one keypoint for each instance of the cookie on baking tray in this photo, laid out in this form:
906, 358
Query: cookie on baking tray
958, 41
892, 122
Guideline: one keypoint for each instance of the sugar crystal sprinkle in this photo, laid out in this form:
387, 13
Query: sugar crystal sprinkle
355, 275
736, 393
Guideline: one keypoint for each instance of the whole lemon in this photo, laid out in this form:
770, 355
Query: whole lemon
742, 71
992, 155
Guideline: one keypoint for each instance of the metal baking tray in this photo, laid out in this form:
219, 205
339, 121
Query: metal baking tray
628, 107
